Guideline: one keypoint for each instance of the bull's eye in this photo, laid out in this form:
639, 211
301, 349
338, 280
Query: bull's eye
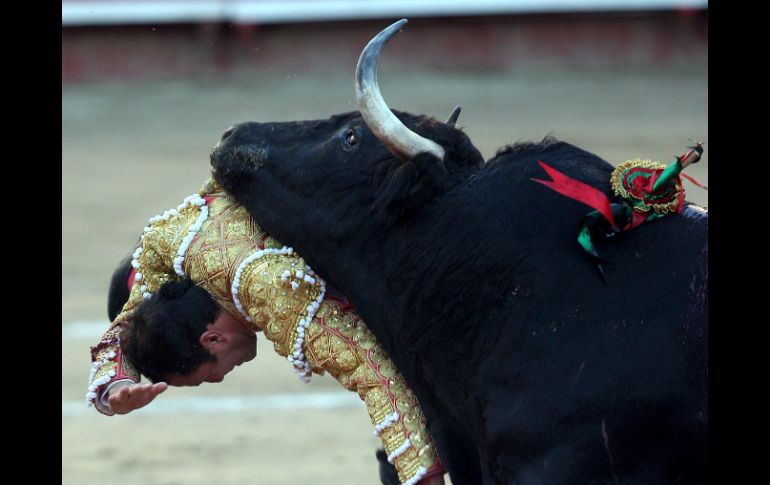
350, 140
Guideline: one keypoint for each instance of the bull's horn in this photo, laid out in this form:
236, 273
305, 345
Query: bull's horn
452, 120
400, 140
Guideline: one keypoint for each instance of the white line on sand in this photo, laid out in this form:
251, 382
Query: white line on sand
231, 404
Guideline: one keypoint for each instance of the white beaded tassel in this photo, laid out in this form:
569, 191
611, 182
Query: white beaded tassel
93, 384
194, 200
301, 365
297, 357
399, 451
191, 232
385, 423
250, 259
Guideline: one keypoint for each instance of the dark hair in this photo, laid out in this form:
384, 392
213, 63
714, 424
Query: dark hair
163, 337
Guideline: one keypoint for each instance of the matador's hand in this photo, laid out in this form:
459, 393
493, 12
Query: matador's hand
134, 396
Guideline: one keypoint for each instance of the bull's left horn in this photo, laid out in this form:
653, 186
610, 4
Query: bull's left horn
400, 140
452, 120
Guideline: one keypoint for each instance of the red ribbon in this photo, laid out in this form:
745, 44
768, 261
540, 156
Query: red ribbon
694, 181
576, 190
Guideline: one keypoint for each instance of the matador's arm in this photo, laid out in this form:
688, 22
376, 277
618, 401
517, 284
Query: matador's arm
109, 367
278, 292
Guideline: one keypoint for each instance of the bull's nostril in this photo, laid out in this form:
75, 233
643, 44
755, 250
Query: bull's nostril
228, 132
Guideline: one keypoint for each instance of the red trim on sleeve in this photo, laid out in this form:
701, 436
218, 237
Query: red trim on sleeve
131, 277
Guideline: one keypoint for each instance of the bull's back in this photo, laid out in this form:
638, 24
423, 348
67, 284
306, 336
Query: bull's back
573, 375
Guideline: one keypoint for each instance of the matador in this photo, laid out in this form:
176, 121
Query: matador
268, 288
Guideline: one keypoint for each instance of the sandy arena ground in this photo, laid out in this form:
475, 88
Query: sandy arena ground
132, 151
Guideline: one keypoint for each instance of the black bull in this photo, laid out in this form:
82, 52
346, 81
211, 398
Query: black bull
530, 369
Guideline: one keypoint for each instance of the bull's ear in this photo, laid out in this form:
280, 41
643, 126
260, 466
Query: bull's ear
402, 187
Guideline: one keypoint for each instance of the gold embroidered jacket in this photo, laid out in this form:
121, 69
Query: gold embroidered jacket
269, 288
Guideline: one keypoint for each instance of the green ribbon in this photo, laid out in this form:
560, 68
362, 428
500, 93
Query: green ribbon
595, 224
668, 174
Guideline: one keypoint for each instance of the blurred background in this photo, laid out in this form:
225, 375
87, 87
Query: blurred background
148, 87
